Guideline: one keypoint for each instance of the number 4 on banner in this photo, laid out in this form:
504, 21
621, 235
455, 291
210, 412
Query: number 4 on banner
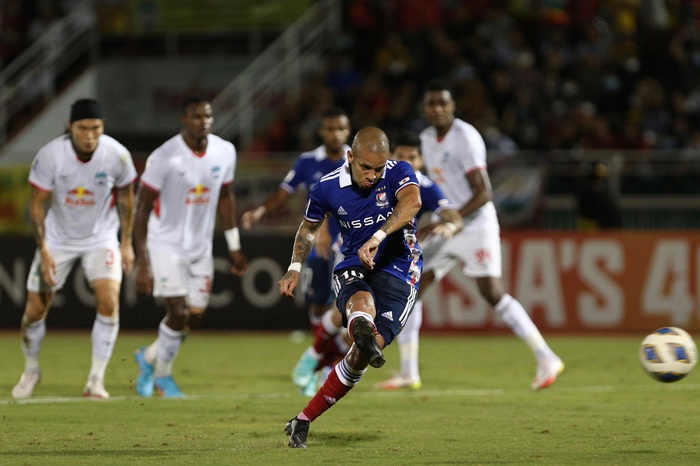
667, 290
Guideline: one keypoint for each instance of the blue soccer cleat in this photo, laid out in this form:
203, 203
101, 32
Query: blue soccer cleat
311, 389
304, 371
167, 388
144, 382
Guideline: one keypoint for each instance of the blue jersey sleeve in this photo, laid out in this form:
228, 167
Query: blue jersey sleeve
296, 176
432, 197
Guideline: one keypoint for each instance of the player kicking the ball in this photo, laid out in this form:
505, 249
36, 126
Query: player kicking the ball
375, 201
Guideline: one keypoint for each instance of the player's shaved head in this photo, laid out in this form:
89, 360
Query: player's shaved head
368, 156
371, 139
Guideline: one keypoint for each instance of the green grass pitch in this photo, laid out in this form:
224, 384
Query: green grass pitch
475, 407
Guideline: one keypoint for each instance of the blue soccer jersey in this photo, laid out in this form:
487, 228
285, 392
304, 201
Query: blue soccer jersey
307, 170
431, 195
361, 212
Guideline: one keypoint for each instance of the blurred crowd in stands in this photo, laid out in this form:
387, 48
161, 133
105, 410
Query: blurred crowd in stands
539, 74
24, 21
543, 75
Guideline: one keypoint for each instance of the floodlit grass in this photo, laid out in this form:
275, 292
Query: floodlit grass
475, 407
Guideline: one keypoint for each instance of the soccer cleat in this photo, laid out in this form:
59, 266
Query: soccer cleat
398, 382
304, 371
363, 336
95, 388
547, 374
311, 388
26, 385
297, 430
144, 381
167, 388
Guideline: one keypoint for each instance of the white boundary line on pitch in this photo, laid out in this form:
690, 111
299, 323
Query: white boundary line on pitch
405, 393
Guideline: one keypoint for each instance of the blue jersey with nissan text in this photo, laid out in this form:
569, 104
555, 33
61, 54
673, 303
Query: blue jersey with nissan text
361, 212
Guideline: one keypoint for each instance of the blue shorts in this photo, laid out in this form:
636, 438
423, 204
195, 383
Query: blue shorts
318, 281
395, 305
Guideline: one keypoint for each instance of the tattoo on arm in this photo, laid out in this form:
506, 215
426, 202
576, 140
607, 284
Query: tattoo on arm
37, 212
304, 240
125, 206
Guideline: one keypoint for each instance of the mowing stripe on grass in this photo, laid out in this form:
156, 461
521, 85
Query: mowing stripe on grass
417, 393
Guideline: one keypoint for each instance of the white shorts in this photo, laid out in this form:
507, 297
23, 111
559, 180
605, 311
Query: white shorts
102, 263
479, 252
174, 275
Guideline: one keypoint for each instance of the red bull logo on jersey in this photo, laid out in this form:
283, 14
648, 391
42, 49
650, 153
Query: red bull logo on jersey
198, 195
80, 197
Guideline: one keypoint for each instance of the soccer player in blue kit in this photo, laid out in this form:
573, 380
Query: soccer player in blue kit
375, 201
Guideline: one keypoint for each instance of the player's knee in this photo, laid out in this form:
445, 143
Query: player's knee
37, 306
108, 306
195, 320
491, 289
177, 313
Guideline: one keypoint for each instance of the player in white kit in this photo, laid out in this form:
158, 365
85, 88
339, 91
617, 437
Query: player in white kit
455, 155
76, 175
187, 180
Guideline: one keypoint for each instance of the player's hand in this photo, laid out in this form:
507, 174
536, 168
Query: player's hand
128, 257
367, 252
240, 263
144, 279
48, 267
443, 231
288, 283
252, 217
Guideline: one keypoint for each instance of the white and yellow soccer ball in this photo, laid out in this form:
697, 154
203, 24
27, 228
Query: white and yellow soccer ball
668, 354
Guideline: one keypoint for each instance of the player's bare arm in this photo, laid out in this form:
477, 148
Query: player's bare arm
227, 211
303, 243
253, 216
407, 207
451, 223
324, 242
144, 205
125, 206
481, 187
37, 211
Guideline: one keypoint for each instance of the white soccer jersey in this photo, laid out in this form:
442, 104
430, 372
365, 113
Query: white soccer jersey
188, 186
82, 215
448, 161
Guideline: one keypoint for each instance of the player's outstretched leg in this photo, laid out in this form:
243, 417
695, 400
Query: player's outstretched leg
362, 330
298, 431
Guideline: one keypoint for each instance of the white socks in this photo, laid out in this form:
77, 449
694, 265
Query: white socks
514, 316
327, 323
408, 343
32, 336
168, 345
104, 336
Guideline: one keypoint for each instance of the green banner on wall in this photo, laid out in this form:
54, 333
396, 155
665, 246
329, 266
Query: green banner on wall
14, 200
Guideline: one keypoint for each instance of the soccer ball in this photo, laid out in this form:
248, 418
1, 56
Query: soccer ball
668, 354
